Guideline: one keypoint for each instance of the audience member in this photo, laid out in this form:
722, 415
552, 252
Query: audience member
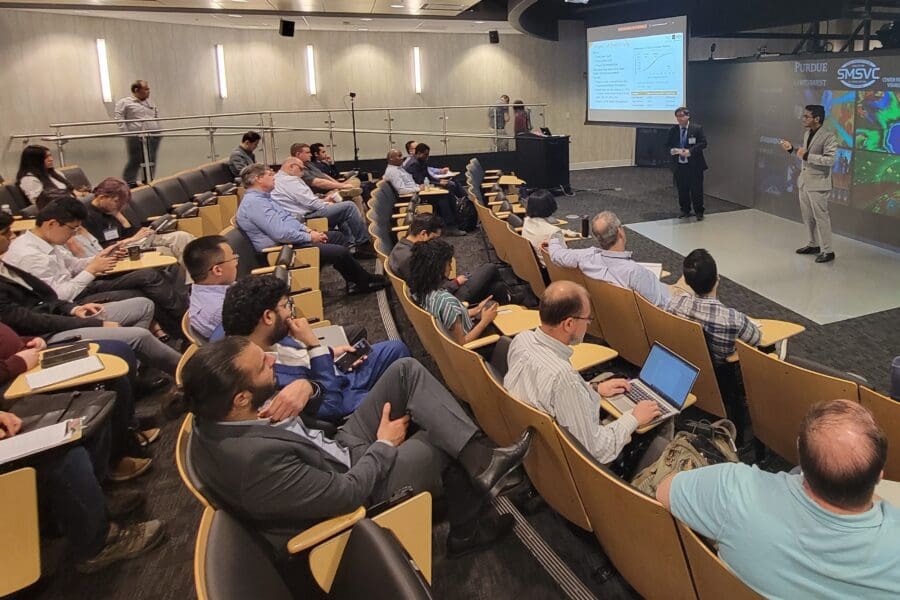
212, 264
284, 477
39, 252
316, 179
36, 173
498, 116
483, 282
68, 482
403, 183
108, 225
322, 161
610, 262
721, 325
138, 106
540, 374
260, 308
411, 158
429, 267
267, 224
537, 227
817, 533
243, 155
421, 174
293, 195
521, 118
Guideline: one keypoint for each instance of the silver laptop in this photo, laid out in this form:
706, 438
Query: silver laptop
665, 378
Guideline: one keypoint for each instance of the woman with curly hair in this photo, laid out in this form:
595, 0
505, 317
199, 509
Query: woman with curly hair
36, 173
429, 267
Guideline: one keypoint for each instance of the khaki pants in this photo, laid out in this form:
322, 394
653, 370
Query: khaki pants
814, 210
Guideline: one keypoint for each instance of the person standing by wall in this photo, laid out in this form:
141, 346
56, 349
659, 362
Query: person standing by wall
138, 106
499, 117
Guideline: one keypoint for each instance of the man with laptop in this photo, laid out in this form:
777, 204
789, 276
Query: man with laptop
541, 375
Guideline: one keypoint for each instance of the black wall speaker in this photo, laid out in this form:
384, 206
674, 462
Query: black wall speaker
286, 28
494, 36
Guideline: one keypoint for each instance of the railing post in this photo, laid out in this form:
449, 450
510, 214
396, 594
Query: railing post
330, 123
265, 144
59, 147
444, 120
272, 137
390, 129
212, 140
148, 175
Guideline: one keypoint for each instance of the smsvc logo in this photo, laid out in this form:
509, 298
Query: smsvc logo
858, 73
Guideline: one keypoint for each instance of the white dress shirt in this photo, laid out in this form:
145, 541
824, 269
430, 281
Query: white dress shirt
293, 195
130, 107
49, 263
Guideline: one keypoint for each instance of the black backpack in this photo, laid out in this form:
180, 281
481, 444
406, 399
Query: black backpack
466, 217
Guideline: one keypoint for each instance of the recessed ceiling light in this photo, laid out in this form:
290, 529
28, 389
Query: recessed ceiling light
365, 19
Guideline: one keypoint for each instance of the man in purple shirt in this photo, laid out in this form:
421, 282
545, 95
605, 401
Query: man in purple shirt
267, 224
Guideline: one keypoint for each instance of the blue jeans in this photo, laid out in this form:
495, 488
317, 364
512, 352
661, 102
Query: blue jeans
122, 418
69, 483
345, 217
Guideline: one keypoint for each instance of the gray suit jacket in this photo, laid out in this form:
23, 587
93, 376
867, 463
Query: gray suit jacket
279, 482
815, 171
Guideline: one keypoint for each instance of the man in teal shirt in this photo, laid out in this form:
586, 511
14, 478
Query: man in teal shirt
818, 534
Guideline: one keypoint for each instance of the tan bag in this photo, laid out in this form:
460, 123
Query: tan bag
706, 444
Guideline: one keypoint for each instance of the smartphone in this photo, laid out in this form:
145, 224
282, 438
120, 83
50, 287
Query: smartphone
345, 361
489, 304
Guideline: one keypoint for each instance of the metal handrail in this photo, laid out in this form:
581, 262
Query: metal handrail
283, 112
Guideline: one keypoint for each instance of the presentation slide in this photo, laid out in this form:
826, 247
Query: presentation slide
636, 71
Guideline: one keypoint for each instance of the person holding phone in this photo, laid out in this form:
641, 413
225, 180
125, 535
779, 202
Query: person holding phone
429, 266
260, 308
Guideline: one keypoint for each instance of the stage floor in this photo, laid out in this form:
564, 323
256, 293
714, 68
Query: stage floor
756, 250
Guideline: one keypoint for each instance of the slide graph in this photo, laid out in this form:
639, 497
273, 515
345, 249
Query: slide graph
643, 73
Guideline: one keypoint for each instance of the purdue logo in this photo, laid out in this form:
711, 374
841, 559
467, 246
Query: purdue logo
858, 73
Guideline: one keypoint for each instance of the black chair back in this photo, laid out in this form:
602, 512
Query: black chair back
194, 182
145, 203
12, 195
249, 258
217, 174
76, 176
171, 192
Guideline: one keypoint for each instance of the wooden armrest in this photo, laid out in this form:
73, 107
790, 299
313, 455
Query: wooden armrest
263, 270
407, 195
302, 290
501, 215
482, 342
317, 534
490, 194
272, 249
496, 172
517, 229
399, 228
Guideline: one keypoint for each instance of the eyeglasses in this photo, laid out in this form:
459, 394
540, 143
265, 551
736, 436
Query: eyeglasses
233, 258
288, 304
70, 228
588, 319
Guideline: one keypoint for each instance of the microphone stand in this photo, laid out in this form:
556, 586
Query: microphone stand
353, 124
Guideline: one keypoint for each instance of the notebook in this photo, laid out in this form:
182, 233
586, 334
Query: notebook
64, 372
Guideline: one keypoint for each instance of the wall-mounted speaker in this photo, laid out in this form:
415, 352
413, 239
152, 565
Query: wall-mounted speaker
494, 36
286, 28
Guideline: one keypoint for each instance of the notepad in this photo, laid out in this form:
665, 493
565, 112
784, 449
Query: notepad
26, 444
655, 268
446, 175
63, 372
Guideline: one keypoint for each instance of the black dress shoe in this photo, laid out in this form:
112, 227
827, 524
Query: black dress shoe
825, 257
699, 216
486, 533
364, 254
808, 250
145, 385
503, 462
372, 285
684, 215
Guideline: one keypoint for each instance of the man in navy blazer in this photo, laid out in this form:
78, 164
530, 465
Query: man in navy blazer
685, 144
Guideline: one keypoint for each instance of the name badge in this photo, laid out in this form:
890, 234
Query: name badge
692, 140
110, 234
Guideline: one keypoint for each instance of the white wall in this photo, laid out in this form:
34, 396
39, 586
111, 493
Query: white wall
49, 74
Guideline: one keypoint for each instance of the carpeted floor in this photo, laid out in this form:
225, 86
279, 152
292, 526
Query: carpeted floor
507, 570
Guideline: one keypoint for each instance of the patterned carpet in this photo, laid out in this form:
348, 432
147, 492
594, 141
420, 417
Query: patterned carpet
507, 570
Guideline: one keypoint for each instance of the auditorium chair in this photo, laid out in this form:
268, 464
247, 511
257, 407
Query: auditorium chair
521, 258
887, 415
492, 224
233, 563
186, 466
19, 534
190, 334
712, 577
616, 310
545, 462
252, 262
637, 533
779, 395
146, 206
76, 177
558, 273
11, 194
685, 338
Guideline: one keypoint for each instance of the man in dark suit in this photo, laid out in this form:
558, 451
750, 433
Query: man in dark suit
685, 144
284, 477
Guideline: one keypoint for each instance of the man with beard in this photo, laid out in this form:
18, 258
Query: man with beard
260, 308
541, 375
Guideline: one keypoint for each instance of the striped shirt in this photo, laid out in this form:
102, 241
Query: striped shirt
447, 309
541, 375
721, 325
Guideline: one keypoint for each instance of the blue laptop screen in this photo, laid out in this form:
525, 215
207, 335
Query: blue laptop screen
669, 374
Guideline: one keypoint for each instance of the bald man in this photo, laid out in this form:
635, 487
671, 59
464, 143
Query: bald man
541, 375
819, 533
295, 196
404, 183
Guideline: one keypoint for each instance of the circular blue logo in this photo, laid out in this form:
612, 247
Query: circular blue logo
858, 73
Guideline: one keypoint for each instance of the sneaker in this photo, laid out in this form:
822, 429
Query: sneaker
120, 503
128, 543
454, 232
129, 468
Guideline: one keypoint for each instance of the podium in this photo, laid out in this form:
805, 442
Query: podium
543, 161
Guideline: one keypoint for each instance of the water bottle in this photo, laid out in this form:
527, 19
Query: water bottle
5, 208
585, 226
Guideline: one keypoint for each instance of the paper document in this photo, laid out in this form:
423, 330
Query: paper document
655, 268
64, 372
332, 336
26, 444
447, 175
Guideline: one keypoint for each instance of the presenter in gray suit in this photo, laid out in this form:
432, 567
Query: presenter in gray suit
817, 156
284, 476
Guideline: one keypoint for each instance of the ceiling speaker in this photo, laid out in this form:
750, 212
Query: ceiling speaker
286, 28
494, 36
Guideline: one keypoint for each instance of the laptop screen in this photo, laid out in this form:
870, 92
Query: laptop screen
668, 374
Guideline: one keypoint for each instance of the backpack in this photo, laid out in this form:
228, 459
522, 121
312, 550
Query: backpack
412, 208
706, 444
466, 216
